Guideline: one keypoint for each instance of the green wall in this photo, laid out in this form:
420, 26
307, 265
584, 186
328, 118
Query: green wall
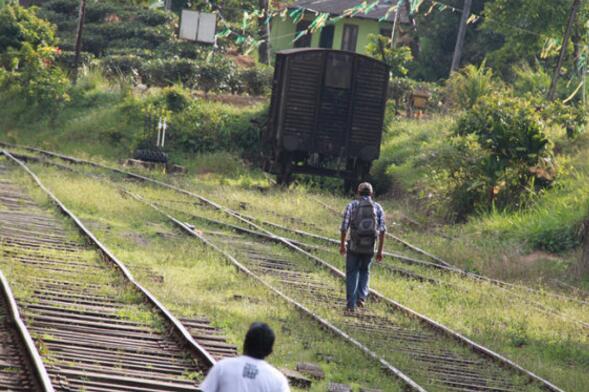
283, 32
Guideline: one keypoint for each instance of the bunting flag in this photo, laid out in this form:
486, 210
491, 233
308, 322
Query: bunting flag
297, 15
472, 19
299, 35
319, 22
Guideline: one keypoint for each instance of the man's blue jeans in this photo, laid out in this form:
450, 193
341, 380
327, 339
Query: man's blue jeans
357, 276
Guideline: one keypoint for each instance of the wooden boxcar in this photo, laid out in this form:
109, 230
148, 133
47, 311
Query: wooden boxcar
326, 114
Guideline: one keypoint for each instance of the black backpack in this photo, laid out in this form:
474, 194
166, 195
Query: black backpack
363, 231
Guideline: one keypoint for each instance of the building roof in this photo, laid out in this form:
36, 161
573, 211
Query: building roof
337, 7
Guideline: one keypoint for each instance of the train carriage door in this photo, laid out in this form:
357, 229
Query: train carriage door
370, 92
298, 111
334, 107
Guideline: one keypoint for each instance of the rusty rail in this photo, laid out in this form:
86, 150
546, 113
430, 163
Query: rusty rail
41, 380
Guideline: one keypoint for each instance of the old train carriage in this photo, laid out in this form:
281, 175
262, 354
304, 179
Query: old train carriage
326, 114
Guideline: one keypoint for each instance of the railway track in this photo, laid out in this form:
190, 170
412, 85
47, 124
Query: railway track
97, 328
429, 260
428, 354
21, 367
271, 268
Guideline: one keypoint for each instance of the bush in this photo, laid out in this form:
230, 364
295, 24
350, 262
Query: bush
121, 64
400, 90
166, 72
216, 75
397, 59
466, 87
257, 80
506, 156
207, 127
531, 80
19, 25
66, 59
176, 98
28, 58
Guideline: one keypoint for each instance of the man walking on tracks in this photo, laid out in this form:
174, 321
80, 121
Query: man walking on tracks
249, 372
364, 221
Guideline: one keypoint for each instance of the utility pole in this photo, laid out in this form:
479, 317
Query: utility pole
395, 22
81, 16
563, 48
264, 33
460, 39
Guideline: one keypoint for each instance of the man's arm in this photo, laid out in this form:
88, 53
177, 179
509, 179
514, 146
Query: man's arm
380, 246
342, 243
344, 229
382, 228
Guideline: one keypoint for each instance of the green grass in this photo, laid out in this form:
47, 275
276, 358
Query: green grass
506, 321
198, 282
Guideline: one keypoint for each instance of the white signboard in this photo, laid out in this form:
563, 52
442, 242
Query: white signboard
198, 26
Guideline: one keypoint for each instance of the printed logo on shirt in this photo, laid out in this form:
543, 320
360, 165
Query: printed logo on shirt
250, 371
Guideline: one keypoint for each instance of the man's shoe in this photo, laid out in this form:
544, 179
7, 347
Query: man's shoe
349, 312
360, 302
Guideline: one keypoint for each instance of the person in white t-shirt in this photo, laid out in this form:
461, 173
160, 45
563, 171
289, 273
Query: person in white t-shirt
249, 372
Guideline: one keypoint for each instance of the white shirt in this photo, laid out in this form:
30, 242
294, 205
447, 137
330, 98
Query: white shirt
244, 374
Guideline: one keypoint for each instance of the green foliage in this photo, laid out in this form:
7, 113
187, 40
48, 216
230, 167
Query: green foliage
207, 127
524, 27
531, 80
217, 74
400, 90
256, 80
506, 156
396, 59
121, 64
28, 59
573, 119
166, 72
466, 87
19, 25
113, 25
435, 38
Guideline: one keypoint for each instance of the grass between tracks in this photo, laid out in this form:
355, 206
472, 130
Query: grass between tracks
505, 321
192, 280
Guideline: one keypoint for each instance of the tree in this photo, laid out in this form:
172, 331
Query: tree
525, 27
27, 58
436, 32
397, 59
20, 25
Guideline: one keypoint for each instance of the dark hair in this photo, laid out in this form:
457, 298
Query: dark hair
259, 341
365, 192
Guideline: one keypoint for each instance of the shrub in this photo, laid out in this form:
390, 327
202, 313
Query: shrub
19, 25
400, 90
466, 87
67, 57
397, 59
216, 74
121, 64
29, 59
206, 127
531, 80
176, 98
257, 80
508, 160
166, 72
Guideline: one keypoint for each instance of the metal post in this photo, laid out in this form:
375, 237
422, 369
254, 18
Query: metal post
395, 21
165, 126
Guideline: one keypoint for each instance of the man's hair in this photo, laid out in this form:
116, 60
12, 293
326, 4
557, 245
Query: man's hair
365, 189
259, 341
